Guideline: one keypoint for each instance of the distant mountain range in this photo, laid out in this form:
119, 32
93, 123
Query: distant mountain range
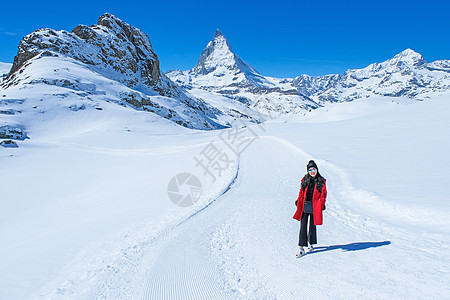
115, 62
220, 71
407, 74
225, 75
5, 68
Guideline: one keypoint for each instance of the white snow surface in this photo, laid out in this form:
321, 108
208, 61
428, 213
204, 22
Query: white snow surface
86, 213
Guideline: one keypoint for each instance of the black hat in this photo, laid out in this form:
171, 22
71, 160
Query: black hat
311, 164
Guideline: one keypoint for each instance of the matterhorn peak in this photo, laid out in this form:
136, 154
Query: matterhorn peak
218, 56
220, 43
218, 33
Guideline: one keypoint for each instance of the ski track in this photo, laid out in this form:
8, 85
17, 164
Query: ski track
169, 278
238, 246
241, 276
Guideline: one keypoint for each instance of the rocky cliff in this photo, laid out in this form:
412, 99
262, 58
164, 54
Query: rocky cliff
116, 51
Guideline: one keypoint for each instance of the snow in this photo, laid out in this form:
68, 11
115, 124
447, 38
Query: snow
389, 132
409, 57
65, 84
86, 214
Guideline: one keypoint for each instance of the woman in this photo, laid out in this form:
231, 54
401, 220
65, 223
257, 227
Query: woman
310, 204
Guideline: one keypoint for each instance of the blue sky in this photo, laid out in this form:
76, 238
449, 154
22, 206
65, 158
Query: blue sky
278, 38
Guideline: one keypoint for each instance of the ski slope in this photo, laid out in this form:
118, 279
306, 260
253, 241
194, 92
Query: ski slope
86, 212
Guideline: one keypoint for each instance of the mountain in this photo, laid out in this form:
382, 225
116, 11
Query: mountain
222, 75
311, 85
5, 68
220, 67
221, 72
218, 55
111, 61
407, 74
233, 86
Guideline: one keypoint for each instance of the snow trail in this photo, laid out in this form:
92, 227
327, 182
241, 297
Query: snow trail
226, 240
244, 244
241, 243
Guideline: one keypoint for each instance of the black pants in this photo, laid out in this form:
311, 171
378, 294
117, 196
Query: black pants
311, 237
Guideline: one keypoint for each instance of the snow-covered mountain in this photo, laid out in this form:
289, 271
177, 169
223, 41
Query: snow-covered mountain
114, 62
312, 85
222, 79
229, 79
218, 67
407, 74
111, 61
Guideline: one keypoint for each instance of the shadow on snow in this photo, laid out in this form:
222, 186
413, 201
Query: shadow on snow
352, 246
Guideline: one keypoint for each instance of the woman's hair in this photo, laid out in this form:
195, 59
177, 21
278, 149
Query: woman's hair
318, 181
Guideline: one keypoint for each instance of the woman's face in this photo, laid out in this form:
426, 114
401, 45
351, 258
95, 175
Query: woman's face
312, 172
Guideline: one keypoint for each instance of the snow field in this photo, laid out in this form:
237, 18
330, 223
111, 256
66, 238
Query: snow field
86, 212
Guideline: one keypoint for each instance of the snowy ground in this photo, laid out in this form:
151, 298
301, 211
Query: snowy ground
86, 213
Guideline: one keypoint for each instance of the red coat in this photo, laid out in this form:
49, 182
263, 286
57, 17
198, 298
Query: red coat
318, 202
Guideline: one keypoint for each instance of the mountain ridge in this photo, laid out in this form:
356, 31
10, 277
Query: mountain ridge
223, 73
407, 74
219, 90
114, 50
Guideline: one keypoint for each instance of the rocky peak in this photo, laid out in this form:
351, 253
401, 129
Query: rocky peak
110, 49
114, 48
112, 22
125, 31
217, 54
219, 57
218, 33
